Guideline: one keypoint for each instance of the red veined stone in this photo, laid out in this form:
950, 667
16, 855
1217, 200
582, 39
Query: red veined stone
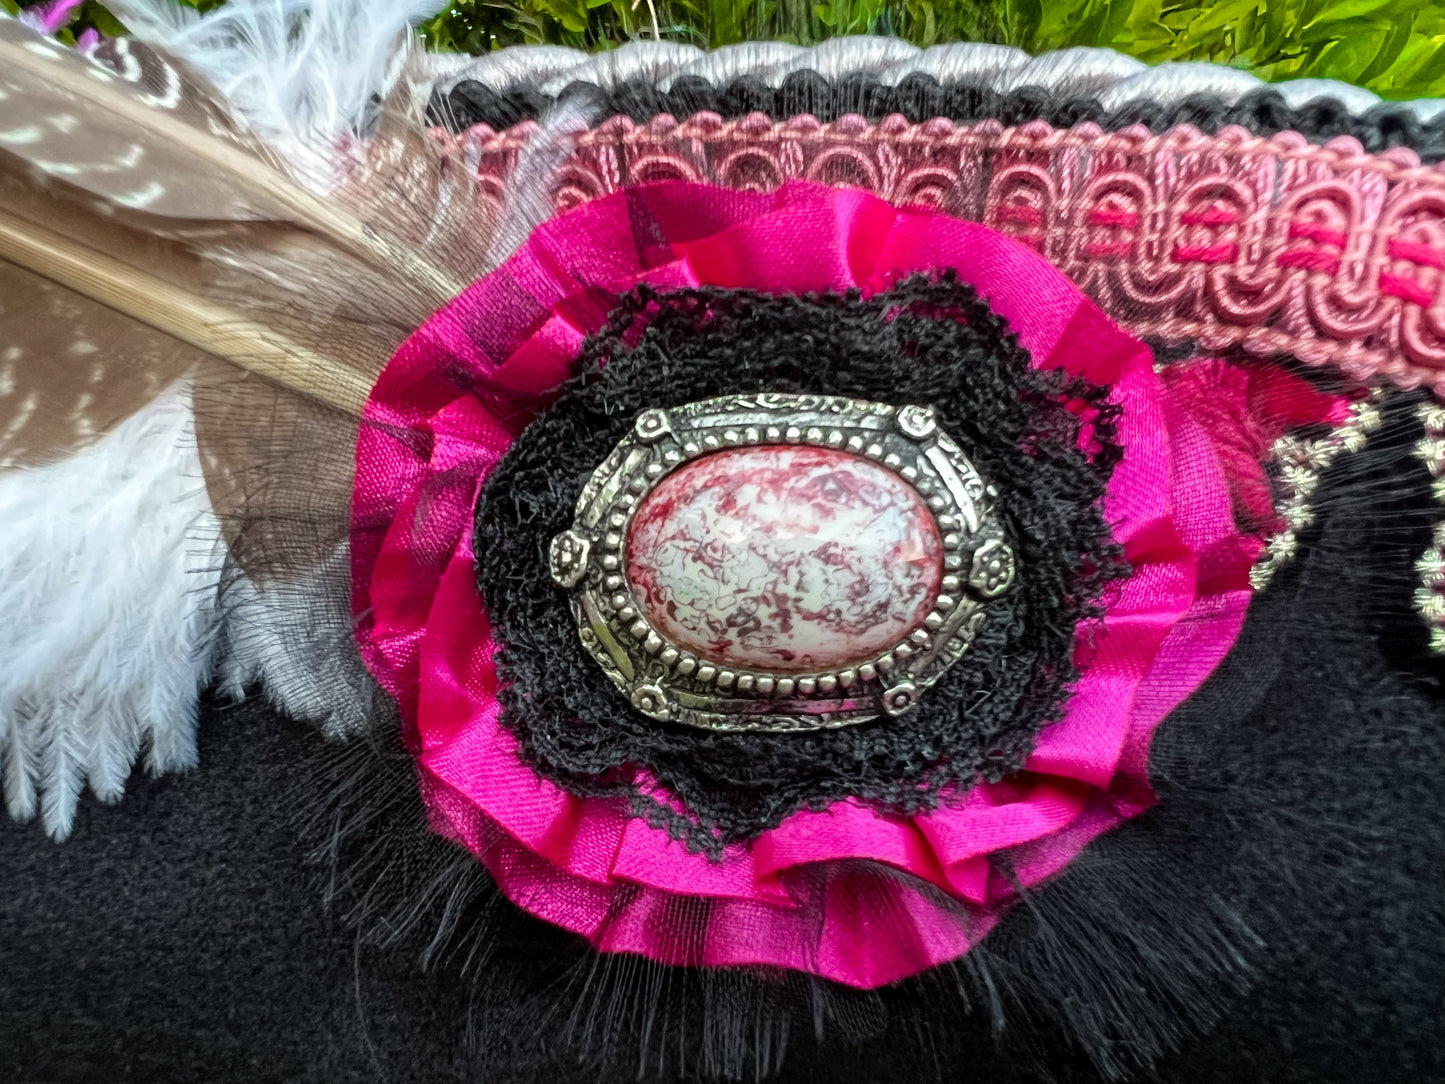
784, 558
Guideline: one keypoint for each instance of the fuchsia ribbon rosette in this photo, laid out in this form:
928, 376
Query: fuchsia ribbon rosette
811, 893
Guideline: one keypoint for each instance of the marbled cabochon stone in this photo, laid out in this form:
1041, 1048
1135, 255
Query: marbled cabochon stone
784, 558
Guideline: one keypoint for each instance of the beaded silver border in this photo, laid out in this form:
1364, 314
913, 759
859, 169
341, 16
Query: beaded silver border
665, 681
1296, 464
1430, 595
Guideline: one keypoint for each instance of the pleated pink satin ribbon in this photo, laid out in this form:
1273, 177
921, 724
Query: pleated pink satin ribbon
849, 894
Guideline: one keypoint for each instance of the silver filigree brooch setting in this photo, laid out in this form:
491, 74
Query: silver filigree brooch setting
779, 562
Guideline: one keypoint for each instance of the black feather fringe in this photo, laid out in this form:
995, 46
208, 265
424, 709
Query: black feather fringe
1300, 784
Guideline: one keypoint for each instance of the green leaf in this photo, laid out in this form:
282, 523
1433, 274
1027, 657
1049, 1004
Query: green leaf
1020, 21
1221, 16
1395, 40
92, 15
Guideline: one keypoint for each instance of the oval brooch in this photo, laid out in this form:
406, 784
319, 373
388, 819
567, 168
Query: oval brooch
781, 562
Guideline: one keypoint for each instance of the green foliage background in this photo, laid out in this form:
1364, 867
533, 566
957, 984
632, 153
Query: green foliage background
1394, 47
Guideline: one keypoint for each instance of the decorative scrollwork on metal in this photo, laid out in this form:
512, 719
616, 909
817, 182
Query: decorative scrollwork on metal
666, 681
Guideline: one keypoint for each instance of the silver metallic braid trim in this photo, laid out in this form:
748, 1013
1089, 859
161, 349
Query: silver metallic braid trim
1112, 77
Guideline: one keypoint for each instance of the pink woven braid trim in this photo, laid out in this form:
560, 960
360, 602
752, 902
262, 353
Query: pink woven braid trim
1273, 244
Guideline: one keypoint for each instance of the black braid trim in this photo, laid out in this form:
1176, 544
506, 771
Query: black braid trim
920, 97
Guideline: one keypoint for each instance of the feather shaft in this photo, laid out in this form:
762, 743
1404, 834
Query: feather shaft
28, 60
167, 307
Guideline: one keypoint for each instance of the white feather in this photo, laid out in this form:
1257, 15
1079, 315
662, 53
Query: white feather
108, 581
293, 638
304, 73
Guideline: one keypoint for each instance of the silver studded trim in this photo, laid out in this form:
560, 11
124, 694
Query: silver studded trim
1296, 465
664, 681
1430, 595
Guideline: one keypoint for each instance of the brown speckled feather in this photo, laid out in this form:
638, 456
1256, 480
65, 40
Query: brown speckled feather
144, 195
71, 369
